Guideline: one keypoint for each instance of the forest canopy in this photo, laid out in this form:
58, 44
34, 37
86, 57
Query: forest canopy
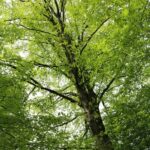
74, 74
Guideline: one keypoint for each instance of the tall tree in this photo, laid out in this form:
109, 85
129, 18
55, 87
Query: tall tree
77, 50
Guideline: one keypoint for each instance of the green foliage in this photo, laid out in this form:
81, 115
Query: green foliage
39, 52
13, 131
128, 121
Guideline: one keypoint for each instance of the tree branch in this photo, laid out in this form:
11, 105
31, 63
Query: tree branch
107, 87
7, 64
57, 8
71, 94
26, 97
81, 36
37, 84
35, 29
51, 19
45, 65
91, 36
65, 123
1, 128
63, 2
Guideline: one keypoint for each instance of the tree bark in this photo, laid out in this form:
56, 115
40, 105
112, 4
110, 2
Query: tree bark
97, 128
94, 120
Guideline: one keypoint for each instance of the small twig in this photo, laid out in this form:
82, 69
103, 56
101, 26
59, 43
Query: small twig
1, 128
32, 90
65, 123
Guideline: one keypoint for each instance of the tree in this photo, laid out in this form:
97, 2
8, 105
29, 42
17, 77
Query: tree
77, 51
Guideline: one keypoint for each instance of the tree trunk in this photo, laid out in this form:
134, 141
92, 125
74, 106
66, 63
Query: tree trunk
94, 120
88, 100
97, 128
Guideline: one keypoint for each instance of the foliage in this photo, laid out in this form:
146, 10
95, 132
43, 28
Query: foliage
128, 121
55, 55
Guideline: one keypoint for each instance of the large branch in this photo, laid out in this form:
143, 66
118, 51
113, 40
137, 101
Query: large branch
91, 36
39, 85
35, 83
